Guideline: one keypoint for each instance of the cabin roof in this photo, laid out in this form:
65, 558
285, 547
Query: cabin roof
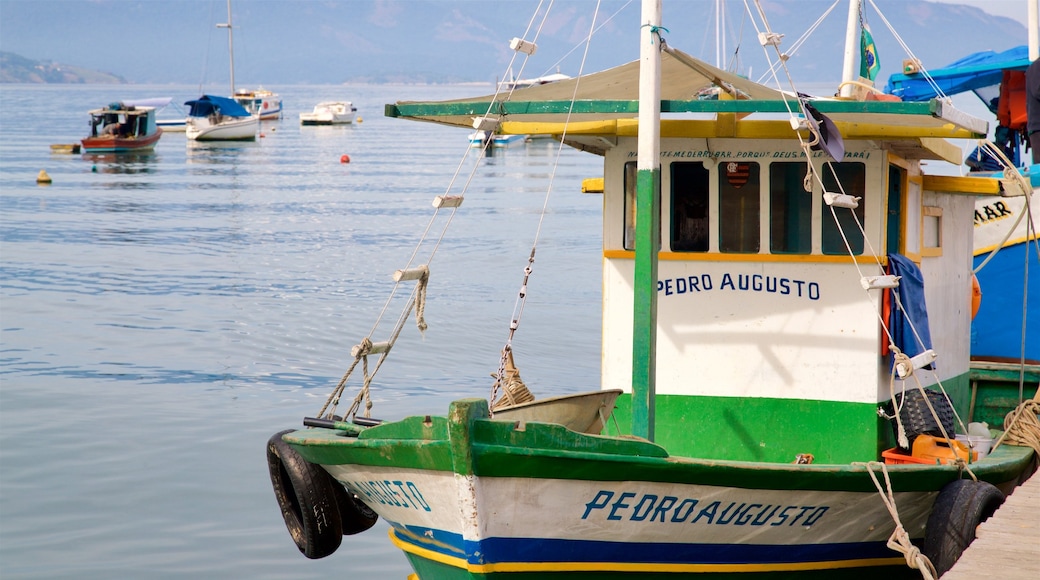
606, 104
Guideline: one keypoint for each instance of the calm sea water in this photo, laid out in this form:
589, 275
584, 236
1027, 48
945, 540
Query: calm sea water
163, 315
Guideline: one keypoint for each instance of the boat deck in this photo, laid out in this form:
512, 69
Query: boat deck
1007, 544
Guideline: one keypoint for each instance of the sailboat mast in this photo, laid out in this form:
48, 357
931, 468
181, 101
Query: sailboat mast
231, 45
648, 224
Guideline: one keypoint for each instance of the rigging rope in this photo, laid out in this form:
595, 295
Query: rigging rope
900, 539
502, 378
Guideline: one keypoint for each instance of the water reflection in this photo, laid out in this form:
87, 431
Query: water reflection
123, 163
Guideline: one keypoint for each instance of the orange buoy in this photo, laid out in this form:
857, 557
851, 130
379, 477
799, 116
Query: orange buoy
976, 296
262, 135
344, 159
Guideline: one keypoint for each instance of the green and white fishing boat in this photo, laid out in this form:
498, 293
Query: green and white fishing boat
777, 270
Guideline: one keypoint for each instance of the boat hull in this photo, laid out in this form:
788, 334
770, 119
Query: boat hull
114, 144
229, 129
172, 125
468, 497
1002, 279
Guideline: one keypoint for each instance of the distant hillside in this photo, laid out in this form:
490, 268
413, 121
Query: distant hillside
452, 41
15, 68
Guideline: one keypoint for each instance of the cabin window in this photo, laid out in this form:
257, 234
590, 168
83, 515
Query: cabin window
931, 231
790, 209
739, 207
630, 205
852, 177
689, 223
894, 228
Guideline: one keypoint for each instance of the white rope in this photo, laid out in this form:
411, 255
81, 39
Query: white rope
900, 539
521, 300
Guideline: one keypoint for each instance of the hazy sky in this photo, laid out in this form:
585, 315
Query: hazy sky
1011, 8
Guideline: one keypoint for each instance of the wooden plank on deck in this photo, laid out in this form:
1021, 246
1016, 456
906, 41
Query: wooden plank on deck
1007, 545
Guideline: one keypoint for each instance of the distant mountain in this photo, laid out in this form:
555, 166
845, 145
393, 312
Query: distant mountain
18, 69
441, 41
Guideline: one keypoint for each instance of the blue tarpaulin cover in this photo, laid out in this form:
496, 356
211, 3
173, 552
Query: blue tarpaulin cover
972, 73
206, 104
914, 310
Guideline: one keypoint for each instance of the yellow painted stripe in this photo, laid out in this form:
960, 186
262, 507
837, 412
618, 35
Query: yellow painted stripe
718, 257
745, 129
956, 184
1010, 242
632, 567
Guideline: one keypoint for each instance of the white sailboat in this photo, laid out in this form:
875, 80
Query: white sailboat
213, 118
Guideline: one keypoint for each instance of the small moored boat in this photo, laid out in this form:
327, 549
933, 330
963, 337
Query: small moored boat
330, 113
122, 127
264, 104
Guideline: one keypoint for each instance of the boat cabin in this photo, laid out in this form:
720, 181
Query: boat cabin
768, 344
123, 121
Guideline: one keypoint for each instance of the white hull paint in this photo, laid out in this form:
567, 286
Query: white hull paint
424, 507
330, 113
229, 129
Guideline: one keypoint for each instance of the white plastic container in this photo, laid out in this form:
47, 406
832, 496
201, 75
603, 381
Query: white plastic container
977, 443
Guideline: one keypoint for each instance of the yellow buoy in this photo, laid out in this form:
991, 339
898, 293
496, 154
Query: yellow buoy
360, 120
43, 177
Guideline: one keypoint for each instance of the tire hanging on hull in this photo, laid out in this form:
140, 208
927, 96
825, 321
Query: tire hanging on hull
958, 510
306, 494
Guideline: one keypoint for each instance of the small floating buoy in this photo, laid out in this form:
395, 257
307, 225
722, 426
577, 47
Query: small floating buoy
262, 135
93, 168
360, 120
344, 159
43, 178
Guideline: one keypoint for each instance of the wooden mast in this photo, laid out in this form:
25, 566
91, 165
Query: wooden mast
648, 224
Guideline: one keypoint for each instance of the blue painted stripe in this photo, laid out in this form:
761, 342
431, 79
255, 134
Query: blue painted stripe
524, 550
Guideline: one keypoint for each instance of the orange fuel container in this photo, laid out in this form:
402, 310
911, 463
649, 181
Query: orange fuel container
929, 450
937, 448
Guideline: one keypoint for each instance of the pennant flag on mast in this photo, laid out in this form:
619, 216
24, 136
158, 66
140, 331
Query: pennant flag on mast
869, 66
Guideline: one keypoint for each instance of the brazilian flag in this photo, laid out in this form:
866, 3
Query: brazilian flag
869, 65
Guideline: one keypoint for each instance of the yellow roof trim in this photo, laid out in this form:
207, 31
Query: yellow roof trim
930, 137
957, 184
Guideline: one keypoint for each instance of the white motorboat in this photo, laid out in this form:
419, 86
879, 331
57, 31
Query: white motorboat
266, 105
330, 113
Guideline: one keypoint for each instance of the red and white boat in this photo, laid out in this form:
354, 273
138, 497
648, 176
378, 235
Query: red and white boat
123, 127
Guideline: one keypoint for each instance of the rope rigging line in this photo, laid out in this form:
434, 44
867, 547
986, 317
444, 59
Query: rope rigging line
900, 539
504, 375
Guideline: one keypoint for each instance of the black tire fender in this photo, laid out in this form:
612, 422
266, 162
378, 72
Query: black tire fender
353, 513
306, 495
958, 510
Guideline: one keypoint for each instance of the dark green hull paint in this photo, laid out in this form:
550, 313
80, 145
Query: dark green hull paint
472, 444
995, 389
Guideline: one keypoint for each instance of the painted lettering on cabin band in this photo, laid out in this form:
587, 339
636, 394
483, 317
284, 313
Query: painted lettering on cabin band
404, 494
724, 155
741, 282
992, 211
670, 509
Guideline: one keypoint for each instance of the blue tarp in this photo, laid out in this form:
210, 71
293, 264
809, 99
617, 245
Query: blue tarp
974, 72
914, 310
206, 104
